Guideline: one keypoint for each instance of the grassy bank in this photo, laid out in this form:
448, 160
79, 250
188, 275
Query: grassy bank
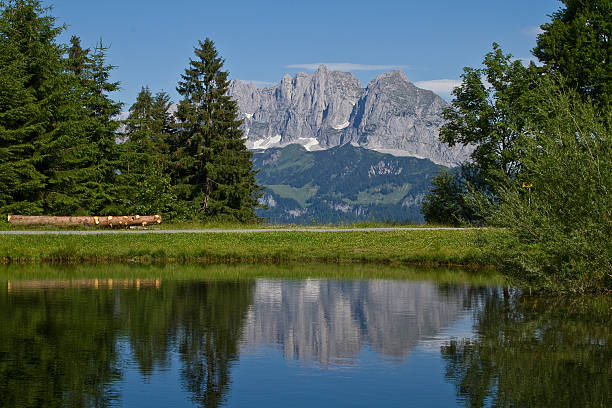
464, 247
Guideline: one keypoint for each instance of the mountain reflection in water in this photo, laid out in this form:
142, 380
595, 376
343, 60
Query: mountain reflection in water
87, 342
330, 321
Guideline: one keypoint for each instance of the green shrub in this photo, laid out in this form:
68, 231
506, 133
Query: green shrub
559, 208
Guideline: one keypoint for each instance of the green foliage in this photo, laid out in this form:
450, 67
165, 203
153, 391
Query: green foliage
144, 179
490, 115
534, 352
488, 112
567, 157
56, 155
526, 128
103, 159
445, 203
30, 63
576, 44
84, 159
213, 174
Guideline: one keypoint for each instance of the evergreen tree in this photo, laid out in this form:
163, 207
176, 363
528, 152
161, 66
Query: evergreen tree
213, 175
25, 67
78, 58
576, 44
54, 152
41, 117
85, 161
144, 180
97, 190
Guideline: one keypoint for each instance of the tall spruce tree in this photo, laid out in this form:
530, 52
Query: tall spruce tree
27, 63
85, 161
213, 173
54, 151
98, 191
42, 120
144, 181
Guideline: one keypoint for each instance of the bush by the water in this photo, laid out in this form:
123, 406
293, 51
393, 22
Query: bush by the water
559, 208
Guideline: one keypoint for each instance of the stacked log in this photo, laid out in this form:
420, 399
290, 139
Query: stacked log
110, 220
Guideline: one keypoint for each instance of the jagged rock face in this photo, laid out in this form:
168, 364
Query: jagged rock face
394, 116
329, 108
298, 110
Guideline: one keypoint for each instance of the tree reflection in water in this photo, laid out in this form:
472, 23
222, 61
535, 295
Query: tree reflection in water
59, 347
544, 352
61, 344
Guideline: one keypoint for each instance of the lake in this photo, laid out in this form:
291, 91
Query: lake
294, 335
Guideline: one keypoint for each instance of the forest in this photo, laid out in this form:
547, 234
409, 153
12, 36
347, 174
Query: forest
63, 150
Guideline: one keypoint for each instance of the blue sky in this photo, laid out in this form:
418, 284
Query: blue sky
151, 41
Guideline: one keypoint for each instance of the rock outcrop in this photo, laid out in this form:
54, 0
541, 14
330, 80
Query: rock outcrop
329, 108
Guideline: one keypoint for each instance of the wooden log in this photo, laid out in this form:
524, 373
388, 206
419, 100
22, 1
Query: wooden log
110, 220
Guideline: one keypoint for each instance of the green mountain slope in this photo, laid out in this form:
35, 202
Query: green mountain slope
342, 184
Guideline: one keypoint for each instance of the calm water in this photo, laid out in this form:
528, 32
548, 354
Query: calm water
294, 336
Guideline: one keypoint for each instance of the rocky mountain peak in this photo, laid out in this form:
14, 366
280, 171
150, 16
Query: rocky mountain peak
391, 76
330, 108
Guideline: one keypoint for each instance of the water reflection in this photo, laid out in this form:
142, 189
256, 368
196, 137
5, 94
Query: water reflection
59, 346
544, 352
331, 321
65, 342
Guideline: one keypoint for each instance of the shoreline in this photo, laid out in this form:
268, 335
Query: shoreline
406, 246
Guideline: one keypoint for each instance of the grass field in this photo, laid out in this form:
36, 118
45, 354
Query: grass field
461, 247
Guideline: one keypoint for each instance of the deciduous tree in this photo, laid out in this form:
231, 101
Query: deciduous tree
576, 44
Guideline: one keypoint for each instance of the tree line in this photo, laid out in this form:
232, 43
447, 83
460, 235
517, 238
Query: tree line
63, 150
541, 164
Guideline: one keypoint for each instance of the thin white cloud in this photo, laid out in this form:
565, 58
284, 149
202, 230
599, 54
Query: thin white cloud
439, 86
259, 84
532, 31
345, 66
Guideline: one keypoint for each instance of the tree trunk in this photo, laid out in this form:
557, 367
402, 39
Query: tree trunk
122, 220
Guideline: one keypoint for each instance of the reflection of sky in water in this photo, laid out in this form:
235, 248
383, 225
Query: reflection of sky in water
298, 343
351, 369
263, 377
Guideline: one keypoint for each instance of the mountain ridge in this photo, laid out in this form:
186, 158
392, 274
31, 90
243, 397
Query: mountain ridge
326, 109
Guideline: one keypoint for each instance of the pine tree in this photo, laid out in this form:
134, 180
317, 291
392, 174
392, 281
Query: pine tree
213, 174
36, 104
101, 157
144, 181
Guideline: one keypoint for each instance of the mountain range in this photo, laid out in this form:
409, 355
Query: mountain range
326, 109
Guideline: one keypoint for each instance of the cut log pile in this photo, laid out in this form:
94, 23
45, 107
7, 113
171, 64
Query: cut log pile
110, 220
